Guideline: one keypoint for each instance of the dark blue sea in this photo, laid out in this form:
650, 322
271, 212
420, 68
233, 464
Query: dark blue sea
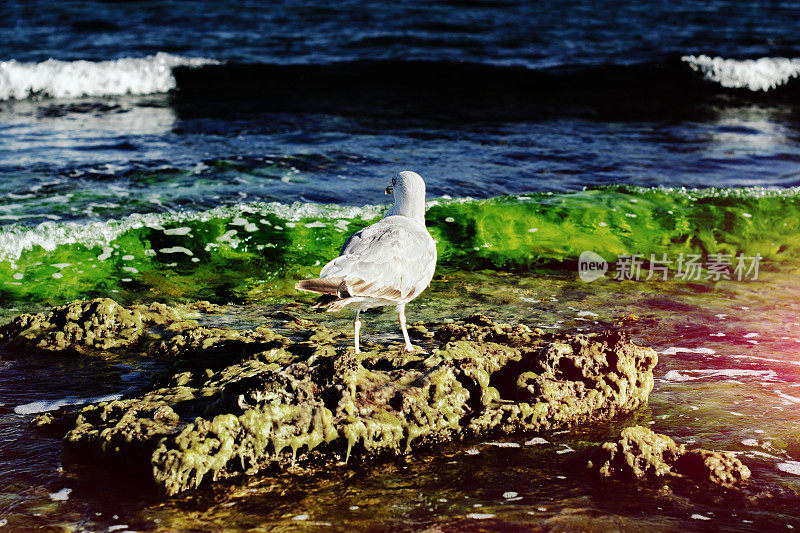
132, 129
481, 98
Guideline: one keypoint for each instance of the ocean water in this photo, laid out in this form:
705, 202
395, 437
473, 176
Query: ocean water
170, 151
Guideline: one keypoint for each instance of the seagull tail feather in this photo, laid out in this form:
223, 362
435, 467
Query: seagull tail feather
333, 290
334, 286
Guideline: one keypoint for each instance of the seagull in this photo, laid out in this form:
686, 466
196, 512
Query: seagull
388, 263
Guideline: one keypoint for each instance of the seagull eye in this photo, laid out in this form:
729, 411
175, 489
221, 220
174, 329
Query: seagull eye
394, 181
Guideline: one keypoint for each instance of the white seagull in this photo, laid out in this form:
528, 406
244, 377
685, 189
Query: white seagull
388, 263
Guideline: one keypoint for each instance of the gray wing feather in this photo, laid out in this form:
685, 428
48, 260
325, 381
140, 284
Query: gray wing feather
394, 259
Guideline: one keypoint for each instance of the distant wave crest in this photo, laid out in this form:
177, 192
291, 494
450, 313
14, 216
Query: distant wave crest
73, 79
761, 74
342, 85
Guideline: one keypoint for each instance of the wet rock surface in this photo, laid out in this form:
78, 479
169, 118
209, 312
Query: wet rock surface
238, 402
642, 453
82, 326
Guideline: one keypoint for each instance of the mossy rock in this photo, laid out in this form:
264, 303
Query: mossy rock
642, 453
238, 402
84, 326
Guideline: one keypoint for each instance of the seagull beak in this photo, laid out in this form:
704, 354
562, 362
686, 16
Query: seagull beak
389, 189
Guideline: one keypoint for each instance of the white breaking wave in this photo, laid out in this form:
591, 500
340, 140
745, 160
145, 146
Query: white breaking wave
675, 350
44, 406
73, 79
790, 467
15, 239
728, 373
755, 74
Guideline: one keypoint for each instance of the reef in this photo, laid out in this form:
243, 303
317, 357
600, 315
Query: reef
233, 402
642, 453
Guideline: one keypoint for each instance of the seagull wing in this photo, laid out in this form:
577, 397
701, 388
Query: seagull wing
392, 259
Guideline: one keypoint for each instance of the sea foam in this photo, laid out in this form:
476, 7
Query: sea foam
727, 373
674, 350
43, 406
755, 74
790, 467
73, 79
15, 239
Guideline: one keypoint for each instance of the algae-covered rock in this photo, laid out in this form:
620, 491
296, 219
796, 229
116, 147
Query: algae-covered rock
204, 306
192, 341
126, 429
640, 452
237, 402
42, 420
100, 324
721, 468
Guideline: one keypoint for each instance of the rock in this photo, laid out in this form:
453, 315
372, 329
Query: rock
42, 420
81, 326
204, 306
291, 321
418, 330
156, 314
721, 468
240, 401
640, 452
192, 341
137, 425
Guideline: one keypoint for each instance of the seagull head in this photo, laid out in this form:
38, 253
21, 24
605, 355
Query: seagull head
408, 189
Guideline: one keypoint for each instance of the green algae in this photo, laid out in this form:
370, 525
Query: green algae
238, 402
261, 249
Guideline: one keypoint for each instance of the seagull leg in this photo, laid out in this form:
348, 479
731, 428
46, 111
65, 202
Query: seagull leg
357, 328
401, 316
